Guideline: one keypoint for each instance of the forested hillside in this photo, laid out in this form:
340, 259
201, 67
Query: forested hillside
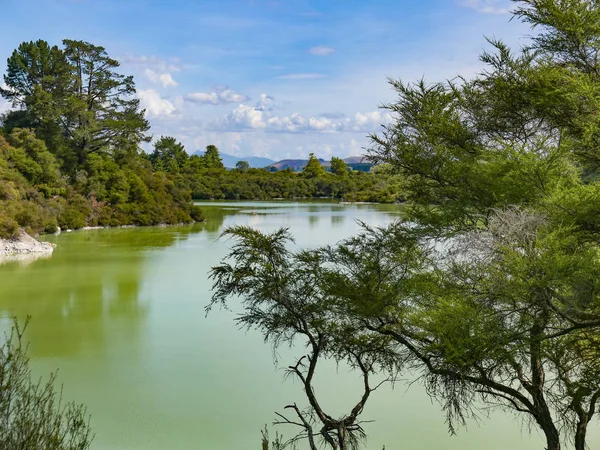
70, 150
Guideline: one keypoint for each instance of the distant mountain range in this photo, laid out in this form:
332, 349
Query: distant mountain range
230, 161
296, 165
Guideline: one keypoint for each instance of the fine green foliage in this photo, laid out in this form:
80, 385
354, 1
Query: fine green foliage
338, 166
488, 291
70, 154
285, 296
313, 168
32, 414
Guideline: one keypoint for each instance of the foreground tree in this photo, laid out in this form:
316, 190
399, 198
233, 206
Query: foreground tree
511, 313
283, 296
489, 290
32, 414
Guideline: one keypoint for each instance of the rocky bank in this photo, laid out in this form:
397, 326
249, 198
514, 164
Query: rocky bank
24, 244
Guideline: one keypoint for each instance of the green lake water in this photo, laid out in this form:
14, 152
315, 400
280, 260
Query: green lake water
121, 313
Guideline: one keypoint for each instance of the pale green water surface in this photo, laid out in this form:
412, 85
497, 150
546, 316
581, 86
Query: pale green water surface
121, 313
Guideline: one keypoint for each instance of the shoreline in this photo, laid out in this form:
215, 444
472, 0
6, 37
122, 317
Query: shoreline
24, 244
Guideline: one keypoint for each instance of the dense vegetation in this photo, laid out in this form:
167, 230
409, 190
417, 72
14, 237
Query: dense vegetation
69, 153
488, 291
208, 180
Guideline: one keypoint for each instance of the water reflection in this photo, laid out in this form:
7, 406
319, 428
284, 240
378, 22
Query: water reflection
337, 220
92, 277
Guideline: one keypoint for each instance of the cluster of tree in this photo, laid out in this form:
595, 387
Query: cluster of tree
70, 152
489, 291
209, 180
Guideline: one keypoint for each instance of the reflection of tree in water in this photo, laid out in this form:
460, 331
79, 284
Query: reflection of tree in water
91, 284
215, 217
337, 220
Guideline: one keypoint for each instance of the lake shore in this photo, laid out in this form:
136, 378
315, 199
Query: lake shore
24, 244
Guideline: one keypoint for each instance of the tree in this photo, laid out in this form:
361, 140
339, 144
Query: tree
284, 297
211, 157
338, 166
33, 69
168, 155
32, 415
488, 290
242, 166
313, 168
509, 312
75, 99
101, 114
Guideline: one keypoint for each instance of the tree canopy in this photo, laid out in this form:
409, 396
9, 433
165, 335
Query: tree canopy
488, 288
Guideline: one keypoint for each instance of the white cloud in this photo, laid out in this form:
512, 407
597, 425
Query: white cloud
321, 50
154, 104
301, 76
154, 63
261, 117
487, 6
219, 96
160, 78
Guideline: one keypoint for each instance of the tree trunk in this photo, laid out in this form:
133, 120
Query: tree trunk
342, 437
552, 437
580, 435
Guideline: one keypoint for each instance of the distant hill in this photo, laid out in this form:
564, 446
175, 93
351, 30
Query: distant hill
296, 165
230, 161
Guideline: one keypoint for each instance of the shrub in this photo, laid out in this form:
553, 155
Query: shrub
9, 228
32, 414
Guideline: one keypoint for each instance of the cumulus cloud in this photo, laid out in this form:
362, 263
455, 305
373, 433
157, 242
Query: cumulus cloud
487, 6
260, 117
154, 104
160, 78
219, 96
321, 50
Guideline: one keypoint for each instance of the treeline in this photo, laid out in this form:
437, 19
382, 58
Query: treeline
208, 179
70, 150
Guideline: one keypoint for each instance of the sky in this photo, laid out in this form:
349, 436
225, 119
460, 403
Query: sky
278, 79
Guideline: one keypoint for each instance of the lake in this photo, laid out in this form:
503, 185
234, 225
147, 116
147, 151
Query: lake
121, 313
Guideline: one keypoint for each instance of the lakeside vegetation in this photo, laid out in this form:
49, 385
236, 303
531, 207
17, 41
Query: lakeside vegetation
69, 152
209, 180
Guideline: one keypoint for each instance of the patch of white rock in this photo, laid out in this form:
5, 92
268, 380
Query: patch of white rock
24, 244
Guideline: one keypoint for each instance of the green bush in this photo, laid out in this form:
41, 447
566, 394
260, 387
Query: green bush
9, 228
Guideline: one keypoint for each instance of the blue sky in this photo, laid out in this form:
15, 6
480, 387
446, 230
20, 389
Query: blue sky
270, 78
